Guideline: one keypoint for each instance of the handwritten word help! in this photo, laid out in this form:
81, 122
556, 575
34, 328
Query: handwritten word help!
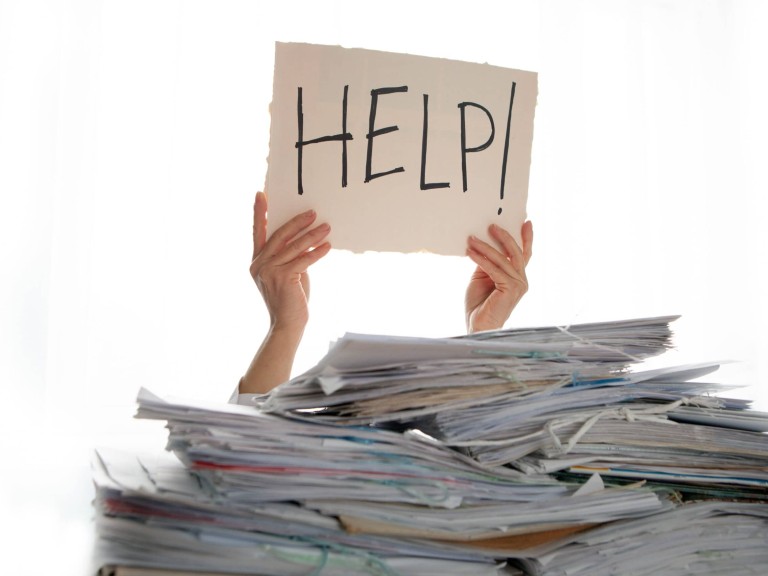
378, 98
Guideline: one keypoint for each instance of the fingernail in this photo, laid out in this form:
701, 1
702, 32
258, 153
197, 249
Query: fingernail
308, 213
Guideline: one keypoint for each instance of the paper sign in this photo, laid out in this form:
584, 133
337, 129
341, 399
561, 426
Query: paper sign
398, 153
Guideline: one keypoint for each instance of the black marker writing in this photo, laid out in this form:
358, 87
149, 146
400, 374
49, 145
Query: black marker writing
481, 147
343, 136
474, 125
425, 129
506, 143
372, 133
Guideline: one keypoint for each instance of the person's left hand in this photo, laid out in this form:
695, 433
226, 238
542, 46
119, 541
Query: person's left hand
499, 281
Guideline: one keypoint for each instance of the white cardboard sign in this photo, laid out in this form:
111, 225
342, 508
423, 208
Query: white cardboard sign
398, 153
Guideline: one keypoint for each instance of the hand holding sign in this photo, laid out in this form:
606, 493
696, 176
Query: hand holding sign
279, 265
279, 269
499, 282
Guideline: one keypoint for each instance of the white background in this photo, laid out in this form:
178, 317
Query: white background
134, 134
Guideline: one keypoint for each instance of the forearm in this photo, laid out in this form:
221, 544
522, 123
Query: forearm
273, 362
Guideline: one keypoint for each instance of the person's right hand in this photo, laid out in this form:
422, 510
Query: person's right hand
279, 265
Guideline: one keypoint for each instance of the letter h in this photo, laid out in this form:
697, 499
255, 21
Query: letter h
343, 136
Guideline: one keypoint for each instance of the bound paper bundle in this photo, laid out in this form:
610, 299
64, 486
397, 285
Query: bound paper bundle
531, 451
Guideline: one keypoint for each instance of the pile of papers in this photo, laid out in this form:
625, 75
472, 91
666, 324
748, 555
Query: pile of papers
536, 451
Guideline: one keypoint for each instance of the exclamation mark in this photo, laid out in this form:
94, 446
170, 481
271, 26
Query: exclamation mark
506, 144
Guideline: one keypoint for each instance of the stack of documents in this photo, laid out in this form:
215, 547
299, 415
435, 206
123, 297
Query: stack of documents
367, 379
154, 514
537, 451
707, 537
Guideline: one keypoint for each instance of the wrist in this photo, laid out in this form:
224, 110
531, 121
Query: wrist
273, 362
288, 333
288, 321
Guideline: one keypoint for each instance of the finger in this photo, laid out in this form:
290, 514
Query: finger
509, 245
290, 254
498, 268
527, 234
259, 223
494, 257
301, 244
285, 233
312, 256
301, 263
482, 262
